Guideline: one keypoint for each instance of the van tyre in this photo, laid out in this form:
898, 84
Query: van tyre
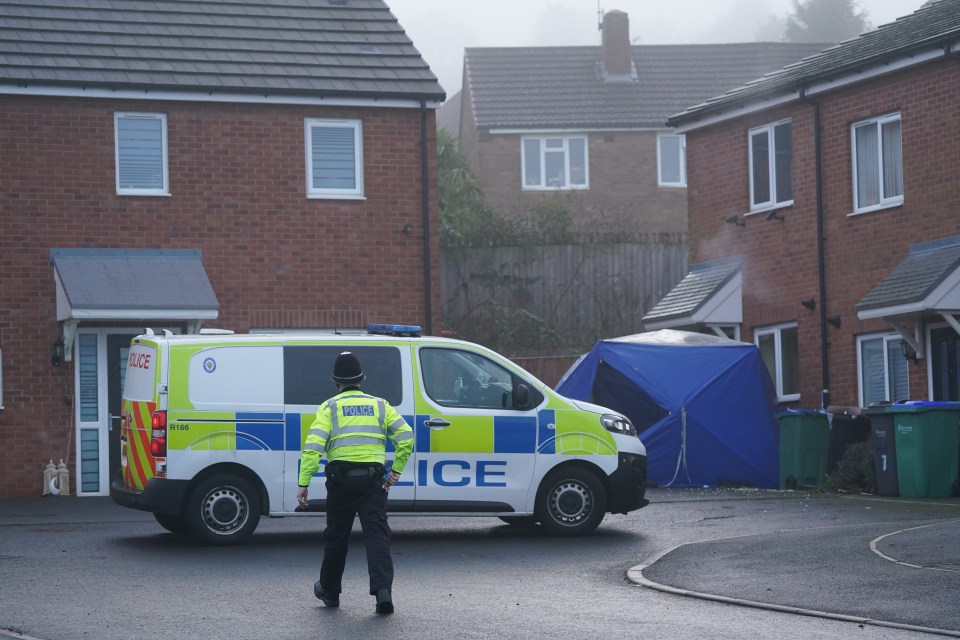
172, 522
571, 502
223, 510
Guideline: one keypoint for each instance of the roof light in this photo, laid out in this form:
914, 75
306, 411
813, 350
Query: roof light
411, 330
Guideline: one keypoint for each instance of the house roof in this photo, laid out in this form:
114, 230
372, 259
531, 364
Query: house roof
334, 48
927, 279
933, 26
538, 87
702, 284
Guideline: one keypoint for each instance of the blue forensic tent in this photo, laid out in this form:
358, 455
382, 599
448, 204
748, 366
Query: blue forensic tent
703, 406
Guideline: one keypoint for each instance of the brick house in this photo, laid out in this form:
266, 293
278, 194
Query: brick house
172, 165
824, 203
586, 124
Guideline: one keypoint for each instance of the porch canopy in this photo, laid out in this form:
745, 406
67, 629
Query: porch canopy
115, 285
710, 295
926, 284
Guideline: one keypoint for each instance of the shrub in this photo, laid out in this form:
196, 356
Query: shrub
855, 471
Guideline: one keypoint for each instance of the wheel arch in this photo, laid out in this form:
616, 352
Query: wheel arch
577, 463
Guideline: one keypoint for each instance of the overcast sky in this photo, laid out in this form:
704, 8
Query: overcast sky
442, 28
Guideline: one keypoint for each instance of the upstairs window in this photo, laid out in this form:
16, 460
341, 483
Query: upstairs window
334, 158
771, 166
877, 163
555, 163
141, 154
671, 160
779, 348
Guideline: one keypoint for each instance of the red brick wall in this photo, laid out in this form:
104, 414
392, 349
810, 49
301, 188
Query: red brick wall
238, 185
622, 176
780, 258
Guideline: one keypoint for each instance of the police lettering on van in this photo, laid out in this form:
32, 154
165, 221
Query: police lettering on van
214, 426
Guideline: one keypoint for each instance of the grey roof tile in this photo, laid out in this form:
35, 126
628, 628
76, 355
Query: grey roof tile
927, 264
931, 26
703, 281
561, 86
355, 49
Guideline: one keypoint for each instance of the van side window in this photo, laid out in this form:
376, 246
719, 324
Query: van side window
456, 378
307, 370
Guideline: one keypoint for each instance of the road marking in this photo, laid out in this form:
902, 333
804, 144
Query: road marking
10, 633
635, 575
876, 541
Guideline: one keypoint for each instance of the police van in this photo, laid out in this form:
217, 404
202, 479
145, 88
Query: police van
213, 426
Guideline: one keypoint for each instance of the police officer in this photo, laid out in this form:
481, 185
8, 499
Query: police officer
352, 428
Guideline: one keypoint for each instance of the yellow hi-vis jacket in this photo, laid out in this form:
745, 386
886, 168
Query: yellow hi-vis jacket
353, 427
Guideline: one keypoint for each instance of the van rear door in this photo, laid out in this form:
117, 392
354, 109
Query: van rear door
137, 465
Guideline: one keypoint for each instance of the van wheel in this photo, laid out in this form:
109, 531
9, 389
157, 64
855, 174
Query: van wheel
520, 521
223, 510
174, 523
571, 502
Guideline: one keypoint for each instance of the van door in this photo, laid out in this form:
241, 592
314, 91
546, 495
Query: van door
476, 433
307, 384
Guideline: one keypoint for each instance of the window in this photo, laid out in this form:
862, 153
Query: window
771, 166
877, 163
944, 364
455, 378
555, 163
671, 161
307, 369
334, 158
141, 154
883, 369
780, 351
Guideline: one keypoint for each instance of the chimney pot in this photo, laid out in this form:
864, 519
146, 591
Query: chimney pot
616, 46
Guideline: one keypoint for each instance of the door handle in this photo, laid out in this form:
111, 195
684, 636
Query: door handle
437, 423
110, 419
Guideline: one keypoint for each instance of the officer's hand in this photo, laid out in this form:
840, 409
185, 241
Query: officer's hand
392, 478
302, 495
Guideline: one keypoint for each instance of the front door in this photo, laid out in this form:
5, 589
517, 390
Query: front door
944, 360
100, 357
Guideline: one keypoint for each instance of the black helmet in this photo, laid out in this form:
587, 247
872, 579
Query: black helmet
346, 369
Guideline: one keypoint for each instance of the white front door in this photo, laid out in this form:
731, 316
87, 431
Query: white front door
99, 358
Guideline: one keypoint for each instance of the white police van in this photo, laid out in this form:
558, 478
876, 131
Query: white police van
214, 426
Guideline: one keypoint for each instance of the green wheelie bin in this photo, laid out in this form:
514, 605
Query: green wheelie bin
928, 448
804, 448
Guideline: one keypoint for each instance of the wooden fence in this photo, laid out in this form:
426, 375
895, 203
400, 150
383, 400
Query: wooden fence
556, 300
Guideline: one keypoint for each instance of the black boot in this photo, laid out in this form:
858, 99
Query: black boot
328, 598
384, 601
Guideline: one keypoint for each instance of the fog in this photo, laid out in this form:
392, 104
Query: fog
441, 29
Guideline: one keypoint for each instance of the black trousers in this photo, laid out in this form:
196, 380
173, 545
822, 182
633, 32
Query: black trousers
353, 491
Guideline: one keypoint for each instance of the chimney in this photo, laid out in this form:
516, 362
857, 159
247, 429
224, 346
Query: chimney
616, 46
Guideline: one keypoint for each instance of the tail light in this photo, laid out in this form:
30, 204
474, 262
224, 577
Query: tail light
158, 434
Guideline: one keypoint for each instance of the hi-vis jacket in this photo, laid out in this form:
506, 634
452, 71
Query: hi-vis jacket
353, 427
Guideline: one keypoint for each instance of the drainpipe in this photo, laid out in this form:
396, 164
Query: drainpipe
822, 272
425, 204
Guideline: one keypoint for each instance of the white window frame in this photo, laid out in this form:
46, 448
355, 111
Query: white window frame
887, 338
357, 193
164, 190
776, 331
770, 131
566, 152
683, 160
876, 123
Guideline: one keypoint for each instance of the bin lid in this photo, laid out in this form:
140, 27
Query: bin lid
916, 406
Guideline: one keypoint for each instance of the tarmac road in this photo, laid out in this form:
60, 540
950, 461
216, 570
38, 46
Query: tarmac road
85, 568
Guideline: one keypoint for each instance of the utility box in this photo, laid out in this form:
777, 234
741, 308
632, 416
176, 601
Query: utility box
927, 438
804, 447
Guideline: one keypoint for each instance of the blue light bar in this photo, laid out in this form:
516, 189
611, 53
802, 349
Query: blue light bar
410, 330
